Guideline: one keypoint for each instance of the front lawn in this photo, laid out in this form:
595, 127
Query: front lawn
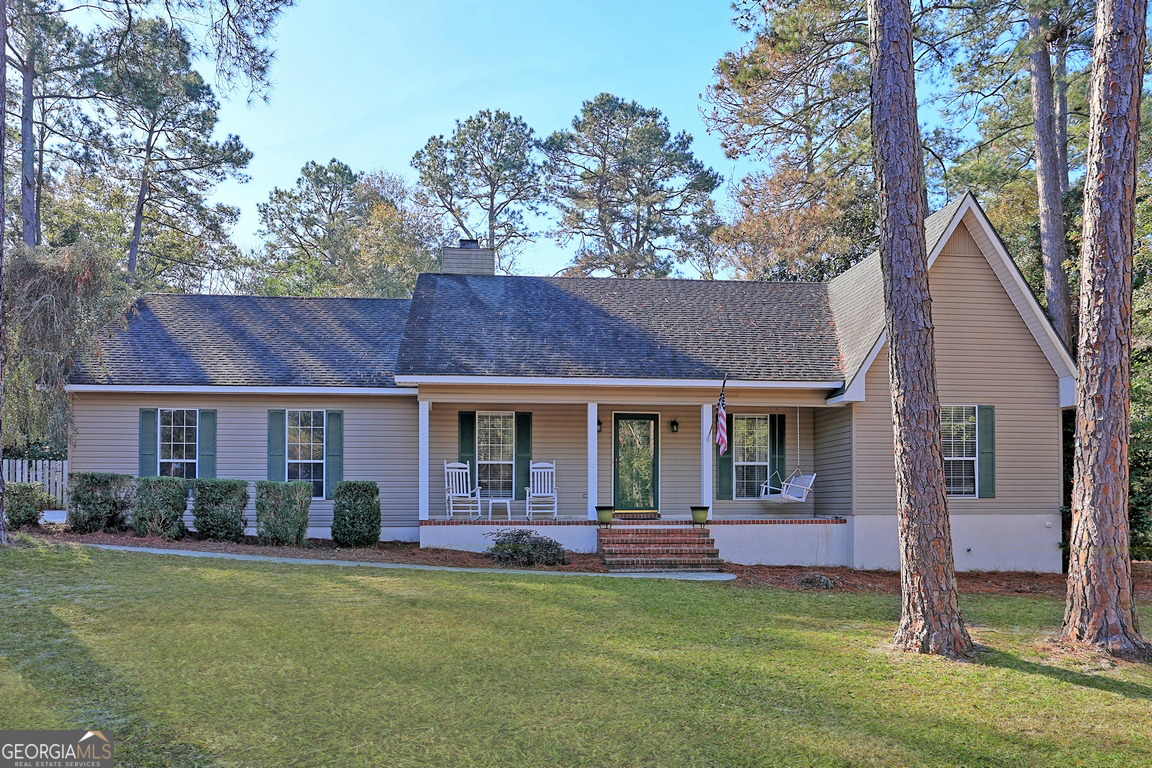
218, 663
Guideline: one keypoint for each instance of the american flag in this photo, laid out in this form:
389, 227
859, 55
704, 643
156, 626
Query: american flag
721, 424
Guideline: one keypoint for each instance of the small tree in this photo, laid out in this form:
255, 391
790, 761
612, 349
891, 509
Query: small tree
628, 190
485, 177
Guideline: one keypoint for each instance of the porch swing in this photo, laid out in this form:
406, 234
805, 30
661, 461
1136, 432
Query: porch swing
796, 486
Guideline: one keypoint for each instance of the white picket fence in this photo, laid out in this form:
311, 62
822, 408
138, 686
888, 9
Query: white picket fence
53, 474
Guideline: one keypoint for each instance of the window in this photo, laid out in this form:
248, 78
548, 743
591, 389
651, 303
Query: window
750, 455
958, 433
306, 449
495, 453
178, 440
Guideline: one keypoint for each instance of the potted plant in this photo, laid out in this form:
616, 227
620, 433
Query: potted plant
604, 513
699, 514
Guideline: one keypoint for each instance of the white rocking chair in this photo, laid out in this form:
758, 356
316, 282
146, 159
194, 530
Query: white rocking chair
459, 493
541, 490
795, 488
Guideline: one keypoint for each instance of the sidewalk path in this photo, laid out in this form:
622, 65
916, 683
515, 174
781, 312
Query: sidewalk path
679, 575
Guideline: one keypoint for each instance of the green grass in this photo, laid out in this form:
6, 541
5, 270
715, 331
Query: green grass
219, 663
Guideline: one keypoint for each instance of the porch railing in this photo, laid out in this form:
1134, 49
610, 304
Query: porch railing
53, 474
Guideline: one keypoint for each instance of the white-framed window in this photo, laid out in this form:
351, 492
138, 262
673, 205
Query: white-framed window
178, 439
958, 435
496, 453
305, 450
750, 455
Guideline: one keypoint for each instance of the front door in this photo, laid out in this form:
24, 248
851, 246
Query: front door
635, 459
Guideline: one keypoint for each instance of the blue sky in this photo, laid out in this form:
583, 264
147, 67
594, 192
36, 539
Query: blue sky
369, 82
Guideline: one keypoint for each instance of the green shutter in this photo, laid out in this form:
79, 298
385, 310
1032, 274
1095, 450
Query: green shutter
277, 437
724, 472
467, 441
206, 460
523, 452
333, 451
148, 440
776, 461
986, 451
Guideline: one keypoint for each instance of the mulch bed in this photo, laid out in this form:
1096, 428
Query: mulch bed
319, 549
836, 579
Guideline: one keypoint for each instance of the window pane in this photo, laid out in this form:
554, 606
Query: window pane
749, 478
958, 431
495, 480
960, 477
750, 438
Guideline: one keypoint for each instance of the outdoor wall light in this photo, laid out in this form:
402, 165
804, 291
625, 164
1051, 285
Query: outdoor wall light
675, 425
599, 425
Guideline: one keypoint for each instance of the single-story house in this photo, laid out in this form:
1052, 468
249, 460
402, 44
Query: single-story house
616, 381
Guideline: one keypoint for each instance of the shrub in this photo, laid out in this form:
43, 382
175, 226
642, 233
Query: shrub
24, 503
282, 512
98, 501
521, 546
356, 513
218, 511
1142, 545
160, 506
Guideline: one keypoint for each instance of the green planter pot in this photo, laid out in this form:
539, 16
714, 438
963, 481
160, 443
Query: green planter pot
604, 513
699, 515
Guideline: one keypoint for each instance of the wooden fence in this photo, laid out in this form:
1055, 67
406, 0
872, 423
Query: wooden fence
53, 474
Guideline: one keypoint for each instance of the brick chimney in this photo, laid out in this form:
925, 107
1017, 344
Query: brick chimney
468, 259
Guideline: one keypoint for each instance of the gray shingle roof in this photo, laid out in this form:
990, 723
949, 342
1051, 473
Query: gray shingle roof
622, 328
179, 340
857, 296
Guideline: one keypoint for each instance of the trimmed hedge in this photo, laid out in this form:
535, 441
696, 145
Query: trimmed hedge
218, 511
356, 513
282, 512
524, 547
160, 506
24, 503
99, 501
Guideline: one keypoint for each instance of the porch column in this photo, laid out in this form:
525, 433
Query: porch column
592, 461
706, 457
423, 471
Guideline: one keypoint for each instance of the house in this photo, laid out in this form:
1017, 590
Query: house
616, 381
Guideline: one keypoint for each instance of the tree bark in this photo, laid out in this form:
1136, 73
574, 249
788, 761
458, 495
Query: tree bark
28, 151
141, 201
1061, 78
1101, 609
1052, 237
930, 620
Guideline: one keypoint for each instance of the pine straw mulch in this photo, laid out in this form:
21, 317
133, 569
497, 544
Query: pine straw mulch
318, 549
837, 579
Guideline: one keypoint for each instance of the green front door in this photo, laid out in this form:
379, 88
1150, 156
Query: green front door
635, 461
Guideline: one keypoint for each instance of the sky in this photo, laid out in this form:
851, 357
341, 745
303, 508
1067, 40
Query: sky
369, 82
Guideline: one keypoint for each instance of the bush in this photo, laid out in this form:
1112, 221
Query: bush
218, 511
98, 501
521, 546
282, 512
1142, 545
24, 503
160, 506
356, 514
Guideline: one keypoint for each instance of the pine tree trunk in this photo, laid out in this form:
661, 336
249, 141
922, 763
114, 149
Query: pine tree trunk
1052, 241
1101, 608
137, 224
930, 620
1061, 76
28, 153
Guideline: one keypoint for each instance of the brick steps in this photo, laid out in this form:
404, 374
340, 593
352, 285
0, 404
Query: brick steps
639, 550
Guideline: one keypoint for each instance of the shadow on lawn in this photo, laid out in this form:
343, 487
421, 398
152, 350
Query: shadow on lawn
990, 657
49, 656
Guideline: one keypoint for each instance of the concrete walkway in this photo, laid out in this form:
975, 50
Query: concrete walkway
678, 575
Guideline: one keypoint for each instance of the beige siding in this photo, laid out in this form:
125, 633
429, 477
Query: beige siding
379, 441
833, 457
985, 355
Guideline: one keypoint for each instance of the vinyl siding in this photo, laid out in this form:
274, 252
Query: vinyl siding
985, 355
635, 399
379, 441
833, 461
754, 508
